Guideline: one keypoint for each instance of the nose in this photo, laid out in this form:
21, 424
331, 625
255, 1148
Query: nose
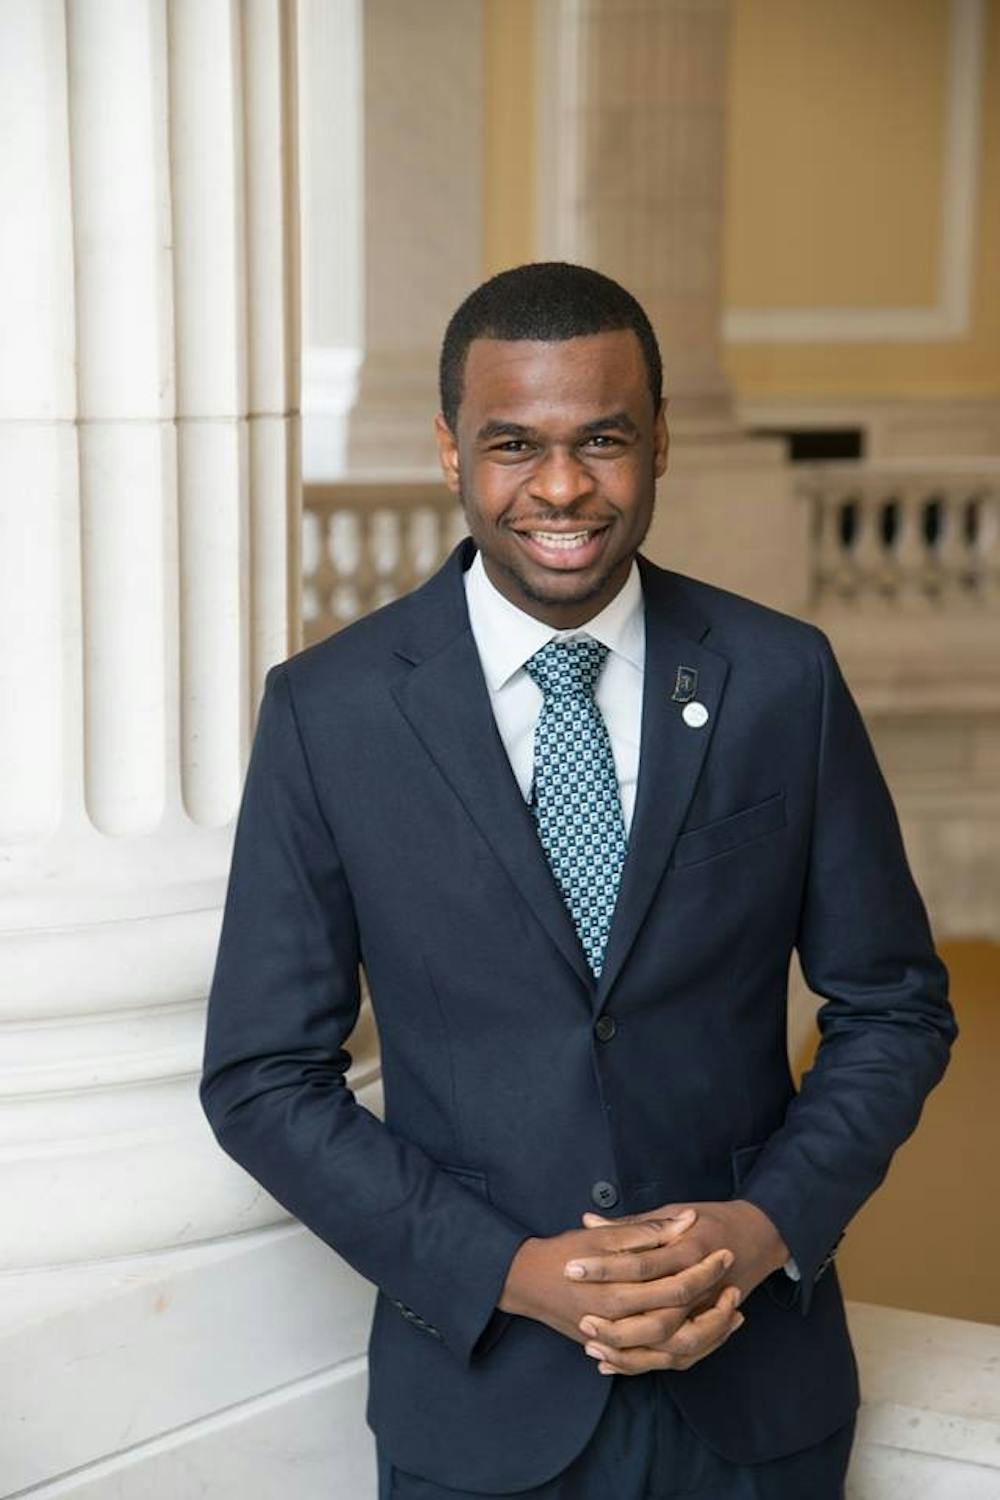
560, 479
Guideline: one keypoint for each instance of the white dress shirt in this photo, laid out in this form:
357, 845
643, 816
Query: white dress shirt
506, 637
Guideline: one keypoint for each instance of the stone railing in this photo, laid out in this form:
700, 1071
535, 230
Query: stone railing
904, 566
885, 537
929, 1424
368, 541
905, 538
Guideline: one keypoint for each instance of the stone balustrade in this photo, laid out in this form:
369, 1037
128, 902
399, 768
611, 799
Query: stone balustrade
902, 538
895, 539
366, 542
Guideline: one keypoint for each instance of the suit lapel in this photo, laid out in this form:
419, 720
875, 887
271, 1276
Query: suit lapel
671, 756
445, 699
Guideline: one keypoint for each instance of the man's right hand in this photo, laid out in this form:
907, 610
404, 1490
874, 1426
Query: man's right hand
538, 1287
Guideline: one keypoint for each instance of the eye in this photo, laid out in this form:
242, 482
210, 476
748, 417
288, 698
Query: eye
511, 445
603, 440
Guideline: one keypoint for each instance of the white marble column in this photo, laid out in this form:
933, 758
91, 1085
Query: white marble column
148, 453
149, 575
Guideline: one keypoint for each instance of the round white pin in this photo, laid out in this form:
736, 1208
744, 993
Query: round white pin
695, 715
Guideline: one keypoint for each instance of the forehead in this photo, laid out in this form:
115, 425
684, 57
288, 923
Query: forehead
524, 380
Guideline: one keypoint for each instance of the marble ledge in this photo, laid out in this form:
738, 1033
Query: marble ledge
929, 1385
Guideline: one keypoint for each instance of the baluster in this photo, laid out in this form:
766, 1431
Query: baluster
867, 549
424, 546
341, 562
309, 595
848, 515
931, 522
386, 552
986, 549
910, 549
324, 577
366, 576
409, 569
827, 580
968, 521
951, 549
886, 516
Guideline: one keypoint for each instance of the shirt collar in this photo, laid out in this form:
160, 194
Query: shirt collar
506, 636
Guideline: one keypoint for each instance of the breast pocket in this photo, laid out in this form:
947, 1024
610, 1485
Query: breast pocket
726, 834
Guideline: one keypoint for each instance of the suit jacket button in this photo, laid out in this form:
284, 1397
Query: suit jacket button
605, 1028
604, 1194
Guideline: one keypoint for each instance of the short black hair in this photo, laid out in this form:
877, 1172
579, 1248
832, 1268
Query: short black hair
547, 300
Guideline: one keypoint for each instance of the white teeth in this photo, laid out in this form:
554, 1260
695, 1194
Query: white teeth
560, 538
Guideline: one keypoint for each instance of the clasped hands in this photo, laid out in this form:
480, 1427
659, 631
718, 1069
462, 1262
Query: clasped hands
651, 1291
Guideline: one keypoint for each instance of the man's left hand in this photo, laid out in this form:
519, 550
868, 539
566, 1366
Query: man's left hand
632, 1345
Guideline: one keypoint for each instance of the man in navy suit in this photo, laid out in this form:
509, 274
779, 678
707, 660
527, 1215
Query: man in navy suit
572, 813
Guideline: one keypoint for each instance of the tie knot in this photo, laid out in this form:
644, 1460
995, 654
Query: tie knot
567, 669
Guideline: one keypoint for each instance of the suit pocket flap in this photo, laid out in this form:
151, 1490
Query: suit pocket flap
730, 832
743, 1159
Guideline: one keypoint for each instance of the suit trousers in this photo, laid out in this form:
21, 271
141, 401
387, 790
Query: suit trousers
642, 1449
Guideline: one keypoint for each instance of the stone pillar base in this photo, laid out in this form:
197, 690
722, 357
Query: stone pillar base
727, 513
390, 428
232, 1369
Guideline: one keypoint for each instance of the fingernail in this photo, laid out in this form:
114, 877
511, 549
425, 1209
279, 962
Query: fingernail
588, 1328
735, 1297
727, 1259
593, 1351
606, 1369
685, 1213
575, 1270
739, 1320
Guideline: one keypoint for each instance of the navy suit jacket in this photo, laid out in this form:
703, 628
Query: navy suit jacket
381, 826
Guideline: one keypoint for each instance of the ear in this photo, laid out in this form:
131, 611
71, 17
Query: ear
447, 446
661, 441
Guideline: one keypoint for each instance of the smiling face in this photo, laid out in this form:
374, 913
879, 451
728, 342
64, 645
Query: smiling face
556, 458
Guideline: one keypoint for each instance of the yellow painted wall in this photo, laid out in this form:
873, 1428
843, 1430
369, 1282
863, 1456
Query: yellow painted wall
834, 153
834, 174
509, 134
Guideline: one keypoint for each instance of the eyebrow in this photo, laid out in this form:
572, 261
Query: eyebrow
495, 428
619, 419
499, 428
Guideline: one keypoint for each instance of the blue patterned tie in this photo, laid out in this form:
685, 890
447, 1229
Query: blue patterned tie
574, 795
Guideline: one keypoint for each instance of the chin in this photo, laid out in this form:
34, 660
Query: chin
563, 588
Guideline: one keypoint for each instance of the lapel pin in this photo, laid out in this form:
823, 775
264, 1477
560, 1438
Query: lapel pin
695, 715
686, 685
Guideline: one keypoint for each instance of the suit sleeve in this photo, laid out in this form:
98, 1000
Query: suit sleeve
886, 1025
284, 998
